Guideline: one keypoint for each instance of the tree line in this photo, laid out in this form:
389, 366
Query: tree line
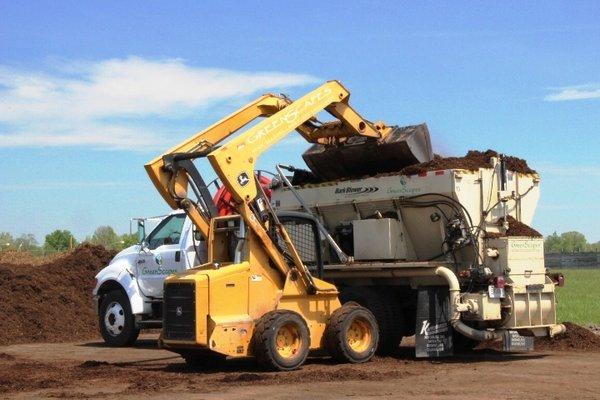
62, 240
569, 242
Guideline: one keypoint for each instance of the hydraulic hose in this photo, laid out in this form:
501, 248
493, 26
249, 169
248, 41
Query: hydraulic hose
456, 305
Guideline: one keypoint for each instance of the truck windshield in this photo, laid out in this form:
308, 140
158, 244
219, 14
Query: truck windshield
167, 232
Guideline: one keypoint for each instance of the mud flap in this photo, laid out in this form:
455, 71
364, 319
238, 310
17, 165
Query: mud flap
433, 334
512, 341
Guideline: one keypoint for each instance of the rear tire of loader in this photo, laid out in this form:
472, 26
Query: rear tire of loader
117, 323
281, 340
352, 334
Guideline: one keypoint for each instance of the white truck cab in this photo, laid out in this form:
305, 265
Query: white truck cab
128, 292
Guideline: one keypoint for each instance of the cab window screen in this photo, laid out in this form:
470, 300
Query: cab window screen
303, 238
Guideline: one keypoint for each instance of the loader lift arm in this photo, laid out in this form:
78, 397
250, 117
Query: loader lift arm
234, 162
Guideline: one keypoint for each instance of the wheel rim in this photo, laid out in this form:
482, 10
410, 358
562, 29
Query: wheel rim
288, 341
114, 319
359, 335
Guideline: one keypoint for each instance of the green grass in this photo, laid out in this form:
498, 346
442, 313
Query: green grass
579, 300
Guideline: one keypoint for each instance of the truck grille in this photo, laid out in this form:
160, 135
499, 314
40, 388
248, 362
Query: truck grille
179, 313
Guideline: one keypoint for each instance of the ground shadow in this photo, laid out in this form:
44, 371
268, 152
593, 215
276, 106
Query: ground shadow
139, 344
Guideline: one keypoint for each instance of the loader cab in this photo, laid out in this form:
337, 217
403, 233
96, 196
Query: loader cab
228, 240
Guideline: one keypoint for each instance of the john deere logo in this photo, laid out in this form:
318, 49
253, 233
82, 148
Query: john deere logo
243, 179
179, 311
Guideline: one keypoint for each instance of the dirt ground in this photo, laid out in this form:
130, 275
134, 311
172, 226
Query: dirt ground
92, 370
50, 302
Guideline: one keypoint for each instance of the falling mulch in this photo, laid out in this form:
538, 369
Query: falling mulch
51, 302
576, 338
472, 161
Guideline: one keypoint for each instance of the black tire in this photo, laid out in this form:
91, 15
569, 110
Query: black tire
463, 344
353, 318
206, 360
387, 312
281, 340
410, 320
117, 323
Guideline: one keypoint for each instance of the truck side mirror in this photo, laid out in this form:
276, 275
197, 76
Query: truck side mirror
141, 231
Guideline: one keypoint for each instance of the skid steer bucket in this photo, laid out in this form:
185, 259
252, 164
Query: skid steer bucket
361, 156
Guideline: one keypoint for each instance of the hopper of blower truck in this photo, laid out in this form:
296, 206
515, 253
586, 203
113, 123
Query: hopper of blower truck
361, 156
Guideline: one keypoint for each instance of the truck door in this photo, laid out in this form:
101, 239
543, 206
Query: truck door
162, 256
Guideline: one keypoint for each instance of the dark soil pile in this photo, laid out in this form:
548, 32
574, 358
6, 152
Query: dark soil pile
472, 161
576, 338
51, 302
26, 258
515, 228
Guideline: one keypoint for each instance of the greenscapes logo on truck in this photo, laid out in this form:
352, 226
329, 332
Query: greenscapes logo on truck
526, 245
403, 189
158, 271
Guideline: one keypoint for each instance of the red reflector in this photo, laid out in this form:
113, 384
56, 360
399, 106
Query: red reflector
499, 282
439, 172
558, 279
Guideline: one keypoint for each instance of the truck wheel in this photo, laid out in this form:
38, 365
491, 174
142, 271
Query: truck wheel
463, 344
117, 323
281, 340
352, 334
389, 316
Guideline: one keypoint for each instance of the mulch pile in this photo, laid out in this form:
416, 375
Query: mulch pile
576, 338
51, 302
515, 228
472, 161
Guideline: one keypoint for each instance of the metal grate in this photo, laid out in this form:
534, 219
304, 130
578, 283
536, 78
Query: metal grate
179, 311
303, 237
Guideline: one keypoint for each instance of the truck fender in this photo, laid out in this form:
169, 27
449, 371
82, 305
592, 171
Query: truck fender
118, 275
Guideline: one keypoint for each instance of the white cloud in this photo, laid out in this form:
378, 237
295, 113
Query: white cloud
113, 103
579, 92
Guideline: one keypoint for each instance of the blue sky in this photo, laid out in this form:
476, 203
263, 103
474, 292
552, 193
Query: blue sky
90, 91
